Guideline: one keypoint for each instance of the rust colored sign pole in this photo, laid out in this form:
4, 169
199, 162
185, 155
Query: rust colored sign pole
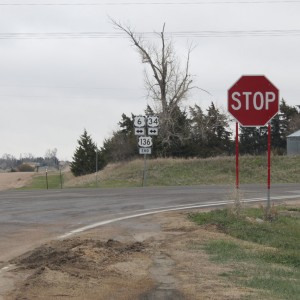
237, 155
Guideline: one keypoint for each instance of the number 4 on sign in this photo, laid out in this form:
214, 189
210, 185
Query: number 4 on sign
152, 121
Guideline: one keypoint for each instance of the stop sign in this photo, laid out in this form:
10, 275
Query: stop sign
253, 100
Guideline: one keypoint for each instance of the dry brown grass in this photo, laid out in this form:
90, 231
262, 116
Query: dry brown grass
15, 180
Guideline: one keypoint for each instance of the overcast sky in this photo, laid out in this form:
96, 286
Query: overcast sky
56, 78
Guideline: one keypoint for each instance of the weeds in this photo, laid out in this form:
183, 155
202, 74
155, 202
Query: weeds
237, 206
269, 214
271, 261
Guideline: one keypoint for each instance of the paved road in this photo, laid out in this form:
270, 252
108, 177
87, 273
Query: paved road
31, 217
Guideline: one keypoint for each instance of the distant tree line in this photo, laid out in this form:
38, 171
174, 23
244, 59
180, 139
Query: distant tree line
26, 161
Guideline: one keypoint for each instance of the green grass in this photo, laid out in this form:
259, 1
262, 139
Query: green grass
180, 172
219, 170
270, 262
210, 171
40, 182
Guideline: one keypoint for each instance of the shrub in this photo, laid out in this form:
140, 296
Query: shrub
25, 168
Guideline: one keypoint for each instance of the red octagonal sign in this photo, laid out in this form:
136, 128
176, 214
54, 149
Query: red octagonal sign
253, 100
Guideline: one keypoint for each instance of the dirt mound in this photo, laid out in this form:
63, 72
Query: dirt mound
76, 255
69, 268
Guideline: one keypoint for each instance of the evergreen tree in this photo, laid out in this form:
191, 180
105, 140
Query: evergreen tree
218, 135
126, 125
123, 143
199, 130
278, 138
253, 140
84, 159
149, 111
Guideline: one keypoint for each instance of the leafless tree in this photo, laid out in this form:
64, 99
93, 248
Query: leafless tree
167, 83
294, 124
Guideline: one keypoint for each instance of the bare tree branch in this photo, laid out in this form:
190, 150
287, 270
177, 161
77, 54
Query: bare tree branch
168, 84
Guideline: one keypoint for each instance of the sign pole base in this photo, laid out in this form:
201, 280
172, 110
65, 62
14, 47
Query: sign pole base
145, 171
237, 156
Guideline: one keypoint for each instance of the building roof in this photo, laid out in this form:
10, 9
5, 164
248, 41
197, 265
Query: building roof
295, 134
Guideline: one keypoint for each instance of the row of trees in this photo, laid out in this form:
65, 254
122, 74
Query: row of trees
10, 162
195, 133
192, 133
199, 133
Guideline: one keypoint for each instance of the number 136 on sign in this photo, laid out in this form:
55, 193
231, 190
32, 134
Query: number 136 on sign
145, 141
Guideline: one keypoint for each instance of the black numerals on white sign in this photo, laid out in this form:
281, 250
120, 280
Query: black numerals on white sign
152, 121
145, 141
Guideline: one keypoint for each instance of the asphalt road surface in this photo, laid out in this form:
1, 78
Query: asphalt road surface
28, 218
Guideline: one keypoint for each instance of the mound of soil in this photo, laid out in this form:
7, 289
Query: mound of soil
59, 266
76, 255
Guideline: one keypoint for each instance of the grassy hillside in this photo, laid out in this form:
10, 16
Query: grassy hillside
171, 172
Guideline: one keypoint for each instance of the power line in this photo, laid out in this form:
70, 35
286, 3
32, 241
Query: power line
68, 87
100, 98
155, 3
177, 34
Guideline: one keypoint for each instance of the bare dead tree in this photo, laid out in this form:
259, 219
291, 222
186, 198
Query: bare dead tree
167, 83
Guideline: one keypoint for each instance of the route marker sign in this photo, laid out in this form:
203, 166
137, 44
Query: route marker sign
253, 100
152, 121
145, 141
139, 121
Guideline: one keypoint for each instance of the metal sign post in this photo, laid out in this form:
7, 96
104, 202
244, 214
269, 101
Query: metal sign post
269, 170
47, 179
61, 180
143, 125
237, 155
96, 166
145, 171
